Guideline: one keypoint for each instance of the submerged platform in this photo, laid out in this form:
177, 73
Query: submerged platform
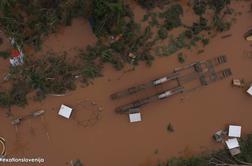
196, 75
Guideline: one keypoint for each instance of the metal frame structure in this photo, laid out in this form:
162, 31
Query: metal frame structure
203, 71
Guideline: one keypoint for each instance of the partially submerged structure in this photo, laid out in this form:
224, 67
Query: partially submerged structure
17, 55
249, 91
238, 82
65, 111
234, 131
248, 35
203, 72
230, 138
233, 146
135, 117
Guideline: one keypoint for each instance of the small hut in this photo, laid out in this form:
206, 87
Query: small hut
238, 82
135, 117
233, 146
65, 111
249, 91
234, 131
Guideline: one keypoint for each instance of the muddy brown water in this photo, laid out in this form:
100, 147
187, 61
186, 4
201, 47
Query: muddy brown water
113, 140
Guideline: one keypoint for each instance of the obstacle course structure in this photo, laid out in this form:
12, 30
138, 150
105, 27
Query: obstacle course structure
202, 71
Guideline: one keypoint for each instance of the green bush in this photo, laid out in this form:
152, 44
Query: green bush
90, 71
205, 41
246, 149
170, 128
108, 16
150, 4
49, 74
218, 5
199, 26
162, 33
220, 25
181, 58
34, 19
172, 15
4, 99
18, 93
4, 54
193, 161
221, 157
199, 7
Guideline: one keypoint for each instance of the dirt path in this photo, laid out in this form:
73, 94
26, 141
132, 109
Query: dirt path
112, 140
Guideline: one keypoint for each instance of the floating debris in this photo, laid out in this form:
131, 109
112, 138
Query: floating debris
238, 82
226, 36
220, 135
18, 120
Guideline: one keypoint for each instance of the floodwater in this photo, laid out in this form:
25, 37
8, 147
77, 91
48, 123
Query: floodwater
107, 138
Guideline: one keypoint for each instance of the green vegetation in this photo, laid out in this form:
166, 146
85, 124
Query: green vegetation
220, 9
218, 5
221, 157
172, 16
16, 96
76, 163
28, 21
4, 54
220, 25
108, 16
181, 58
199, 7
205, 41
120, 39
49, 74
4, 99
162, 33
150, 4
246, 148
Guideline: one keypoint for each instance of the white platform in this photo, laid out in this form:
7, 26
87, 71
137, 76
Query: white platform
234, 131
65, 111
232, 143
135, 117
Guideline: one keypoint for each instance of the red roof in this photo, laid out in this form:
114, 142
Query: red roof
15, 53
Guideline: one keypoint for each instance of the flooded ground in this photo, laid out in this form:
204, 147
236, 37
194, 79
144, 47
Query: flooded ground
106, 138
